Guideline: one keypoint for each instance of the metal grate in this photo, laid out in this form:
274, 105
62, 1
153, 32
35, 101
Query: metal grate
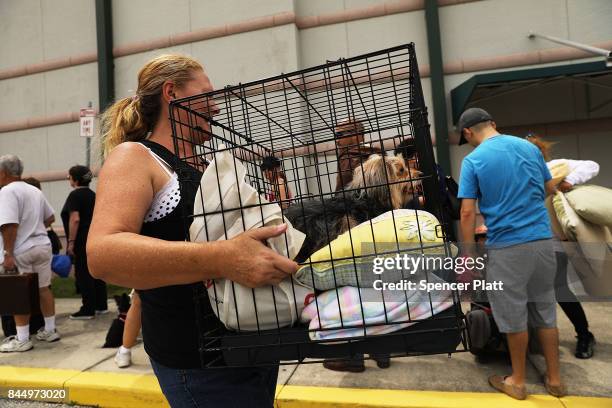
297, 118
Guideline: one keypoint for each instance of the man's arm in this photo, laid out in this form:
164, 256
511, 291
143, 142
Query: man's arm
9, 235
468, 192
468, 223
49, 221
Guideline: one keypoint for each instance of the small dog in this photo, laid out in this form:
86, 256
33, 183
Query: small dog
379, 185
114, 336
386, 180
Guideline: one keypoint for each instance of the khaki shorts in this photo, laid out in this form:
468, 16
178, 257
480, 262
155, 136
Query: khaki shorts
36, 260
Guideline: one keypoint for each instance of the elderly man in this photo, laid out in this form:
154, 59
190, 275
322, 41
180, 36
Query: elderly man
25, 214
508, 177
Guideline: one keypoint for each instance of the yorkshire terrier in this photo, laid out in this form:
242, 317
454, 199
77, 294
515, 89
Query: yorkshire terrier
380, 184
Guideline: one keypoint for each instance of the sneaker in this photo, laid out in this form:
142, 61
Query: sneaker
11, 344
101, 312
81, 315
584, 347
49, 336
123, 360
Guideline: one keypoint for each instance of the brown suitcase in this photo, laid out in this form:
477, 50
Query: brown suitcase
19, 294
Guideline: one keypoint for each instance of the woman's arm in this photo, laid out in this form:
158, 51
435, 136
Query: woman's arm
73, 228
119, 255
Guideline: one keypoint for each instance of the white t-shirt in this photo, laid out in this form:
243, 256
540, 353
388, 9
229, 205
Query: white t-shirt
23, 204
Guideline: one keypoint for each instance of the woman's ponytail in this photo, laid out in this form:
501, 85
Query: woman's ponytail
121, 122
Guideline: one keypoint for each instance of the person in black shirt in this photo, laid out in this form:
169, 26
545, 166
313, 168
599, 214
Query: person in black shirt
138, 238
76, 217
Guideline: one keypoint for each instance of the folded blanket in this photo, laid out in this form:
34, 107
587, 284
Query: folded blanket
347, 310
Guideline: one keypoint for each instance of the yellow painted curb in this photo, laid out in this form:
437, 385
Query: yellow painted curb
26, 377
590, 402
293, 396
107, 390
112, 390
117, 390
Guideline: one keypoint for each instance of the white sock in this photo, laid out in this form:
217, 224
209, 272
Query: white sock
50, 323
23, 333
124, 350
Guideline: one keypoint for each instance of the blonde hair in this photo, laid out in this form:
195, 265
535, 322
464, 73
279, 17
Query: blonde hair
131, 118
541, 144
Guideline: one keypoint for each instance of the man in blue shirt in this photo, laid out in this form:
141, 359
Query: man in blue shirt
510, 180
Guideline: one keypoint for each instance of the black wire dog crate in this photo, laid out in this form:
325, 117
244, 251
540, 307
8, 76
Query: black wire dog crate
320, 148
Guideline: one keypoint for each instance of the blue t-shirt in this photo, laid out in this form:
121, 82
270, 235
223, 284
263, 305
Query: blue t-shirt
507, 175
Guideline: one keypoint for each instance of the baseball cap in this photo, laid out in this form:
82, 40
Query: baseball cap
469, 118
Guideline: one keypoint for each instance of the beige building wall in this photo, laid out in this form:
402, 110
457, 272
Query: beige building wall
492, 28
35, 31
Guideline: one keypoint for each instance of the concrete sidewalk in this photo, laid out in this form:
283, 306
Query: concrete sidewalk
78, 364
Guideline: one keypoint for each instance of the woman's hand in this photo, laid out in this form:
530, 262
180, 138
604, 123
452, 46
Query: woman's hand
564, 186
70, 249
251, 263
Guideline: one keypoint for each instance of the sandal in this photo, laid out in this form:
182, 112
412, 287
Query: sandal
554, 390
498, 382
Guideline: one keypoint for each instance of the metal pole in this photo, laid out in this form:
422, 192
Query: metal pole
436, 77
104, 35
438, 94
574, 44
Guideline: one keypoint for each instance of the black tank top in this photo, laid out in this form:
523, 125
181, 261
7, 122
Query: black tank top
169, 324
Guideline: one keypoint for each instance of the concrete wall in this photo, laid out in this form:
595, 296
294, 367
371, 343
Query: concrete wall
34, 31
499, 27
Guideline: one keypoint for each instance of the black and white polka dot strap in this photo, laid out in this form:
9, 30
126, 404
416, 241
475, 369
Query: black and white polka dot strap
166, 199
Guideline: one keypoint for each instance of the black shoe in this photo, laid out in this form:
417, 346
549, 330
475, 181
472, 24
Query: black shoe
382, 362
82, 315
584, 347
352, 366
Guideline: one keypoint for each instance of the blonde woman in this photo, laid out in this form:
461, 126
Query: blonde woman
137, 239
580, 171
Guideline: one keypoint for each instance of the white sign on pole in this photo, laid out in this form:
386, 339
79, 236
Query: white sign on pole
86, 118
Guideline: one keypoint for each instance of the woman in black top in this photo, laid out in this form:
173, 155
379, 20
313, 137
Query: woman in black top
137, 239
76, 217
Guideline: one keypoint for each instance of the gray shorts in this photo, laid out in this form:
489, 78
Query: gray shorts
528, 275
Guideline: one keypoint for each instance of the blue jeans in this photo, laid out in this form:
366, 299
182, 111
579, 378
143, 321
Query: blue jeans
220, 387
